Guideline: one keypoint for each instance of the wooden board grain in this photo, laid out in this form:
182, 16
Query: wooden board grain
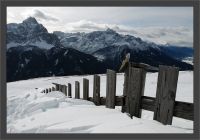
69, 90
85, 89
96, 90
166, 94
136, 85
65, 90
125, 89
110, 89
57, 87
77, 90
181, 109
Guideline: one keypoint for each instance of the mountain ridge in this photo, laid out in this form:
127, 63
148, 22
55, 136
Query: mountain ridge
33, 52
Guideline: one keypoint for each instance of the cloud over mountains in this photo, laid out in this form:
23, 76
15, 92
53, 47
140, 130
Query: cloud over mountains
162, 25
180, 36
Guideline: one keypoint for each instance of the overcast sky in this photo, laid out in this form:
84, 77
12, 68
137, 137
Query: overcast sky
173, 25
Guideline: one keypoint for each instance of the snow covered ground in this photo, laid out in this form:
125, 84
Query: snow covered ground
29, 111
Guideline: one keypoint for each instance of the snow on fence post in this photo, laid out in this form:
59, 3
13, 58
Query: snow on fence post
110, 89
165, 94
85, 89
69, 90
136, 84
96, 90
77, 90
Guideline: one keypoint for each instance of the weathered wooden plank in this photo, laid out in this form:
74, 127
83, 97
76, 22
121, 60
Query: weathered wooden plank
65, 89
49, 89
136, 86
125, 63
69, 90
110, 89
53, 88
57, 86
96, 90
181, 109
85, 89
165, 94
60, 88
77, 90
144, 66
184, 110
148, 103
125, 89
118, 100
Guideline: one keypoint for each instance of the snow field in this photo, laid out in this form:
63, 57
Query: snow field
30, 111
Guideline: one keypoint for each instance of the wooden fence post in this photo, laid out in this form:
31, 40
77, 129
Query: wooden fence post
46, 90
125, 89
165, 94
57, 87
53, 88
96, 90
61, 88
110, 89
69, 90
49, 89
136, 84
77, 90
65, 90
85, 89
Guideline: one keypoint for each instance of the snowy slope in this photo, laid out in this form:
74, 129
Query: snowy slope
30, 111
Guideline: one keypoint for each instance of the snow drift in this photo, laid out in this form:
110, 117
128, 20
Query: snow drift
30, 111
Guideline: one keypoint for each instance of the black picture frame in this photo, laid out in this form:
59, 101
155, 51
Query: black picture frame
196, 40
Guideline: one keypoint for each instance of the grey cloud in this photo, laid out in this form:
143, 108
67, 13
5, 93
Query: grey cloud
90, 26
40, 15
180, 36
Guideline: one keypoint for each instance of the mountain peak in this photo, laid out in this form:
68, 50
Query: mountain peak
109, 30
30, 20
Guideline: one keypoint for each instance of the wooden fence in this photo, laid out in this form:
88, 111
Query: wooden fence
133, 100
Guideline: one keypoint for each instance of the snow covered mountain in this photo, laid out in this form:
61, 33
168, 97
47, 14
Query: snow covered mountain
91, 42
30, 32
33, 52
111, 47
